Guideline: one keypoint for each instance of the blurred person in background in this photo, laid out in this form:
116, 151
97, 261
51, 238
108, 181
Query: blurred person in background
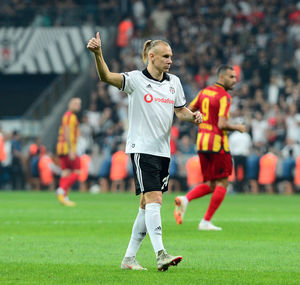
160, 17
292, 122
185, 146
267, 171
85, 162
174, 184
32, 160
259, 127
104, 173
154, 95
125, 32
47, 169
85, 139
139, 14
194, 172
240, 146
2, 155
66, 150
253, 169
213, 147
287, 177
92, 117
18, 176
6, 163
297, 174
118, 169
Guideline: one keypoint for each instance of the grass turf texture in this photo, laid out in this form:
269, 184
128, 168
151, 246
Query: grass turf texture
42, 242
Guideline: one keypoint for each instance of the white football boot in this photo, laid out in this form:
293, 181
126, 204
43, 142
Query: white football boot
208, 226
131, 264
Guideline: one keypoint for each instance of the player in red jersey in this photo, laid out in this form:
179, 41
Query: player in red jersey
66, 150
212, 145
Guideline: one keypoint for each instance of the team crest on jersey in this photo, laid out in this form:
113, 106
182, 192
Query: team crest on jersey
172, 90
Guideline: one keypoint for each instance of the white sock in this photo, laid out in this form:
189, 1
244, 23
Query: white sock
184, 199
153, 224
139, 232
60, 191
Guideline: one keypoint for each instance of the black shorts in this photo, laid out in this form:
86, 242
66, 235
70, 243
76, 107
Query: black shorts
151, 172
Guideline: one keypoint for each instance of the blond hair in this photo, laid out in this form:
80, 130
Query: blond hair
149, 45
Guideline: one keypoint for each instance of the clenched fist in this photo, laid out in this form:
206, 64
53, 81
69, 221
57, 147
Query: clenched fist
197, 117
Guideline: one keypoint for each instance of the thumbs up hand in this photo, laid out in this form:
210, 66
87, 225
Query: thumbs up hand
94, 44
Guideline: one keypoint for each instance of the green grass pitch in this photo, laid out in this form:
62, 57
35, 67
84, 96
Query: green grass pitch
42, 242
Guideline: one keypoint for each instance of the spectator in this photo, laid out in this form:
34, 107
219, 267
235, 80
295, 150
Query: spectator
293, 124
18, 177
160, 17
272, 91
174, 185
85, 139
185, 146
85, 161
288, 166
240, 145
253, 170
259, 127
104, 174
139, 14
93, 117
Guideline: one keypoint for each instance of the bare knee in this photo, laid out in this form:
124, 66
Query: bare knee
142, 202
222, 182
211, 185
153, 197
65, 172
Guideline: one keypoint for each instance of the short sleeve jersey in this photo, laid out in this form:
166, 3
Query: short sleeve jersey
151, 111
213, 102
69, 119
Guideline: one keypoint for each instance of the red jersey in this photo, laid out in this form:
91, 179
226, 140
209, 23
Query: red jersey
213, 102
69, 120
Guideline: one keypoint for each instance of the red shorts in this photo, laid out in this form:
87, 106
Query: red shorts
66, 163
215, 165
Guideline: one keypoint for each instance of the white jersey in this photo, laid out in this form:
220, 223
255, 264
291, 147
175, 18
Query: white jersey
151, 111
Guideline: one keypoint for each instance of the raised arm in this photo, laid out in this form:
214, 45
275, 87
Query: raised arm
115, 79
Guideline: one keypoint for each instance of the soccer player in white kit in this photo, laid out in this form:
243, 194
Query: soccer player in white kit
153, 95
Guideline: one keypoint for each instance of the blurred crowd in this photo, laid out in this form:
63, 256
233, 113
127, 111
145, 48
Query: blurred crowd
58, 13
261, 39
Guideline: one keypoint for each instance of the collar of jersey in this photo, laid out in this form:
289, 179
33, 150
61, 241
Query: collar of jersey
220, 85
147, 74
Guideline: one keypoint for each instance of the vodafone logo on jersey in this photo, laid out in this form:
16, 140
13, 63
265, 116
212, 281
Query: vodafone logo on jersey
149, 98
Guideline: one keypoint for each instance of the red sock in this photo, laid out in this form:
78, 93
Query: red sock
63, 183
215, 202
72, 178
66, 182
197, 192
